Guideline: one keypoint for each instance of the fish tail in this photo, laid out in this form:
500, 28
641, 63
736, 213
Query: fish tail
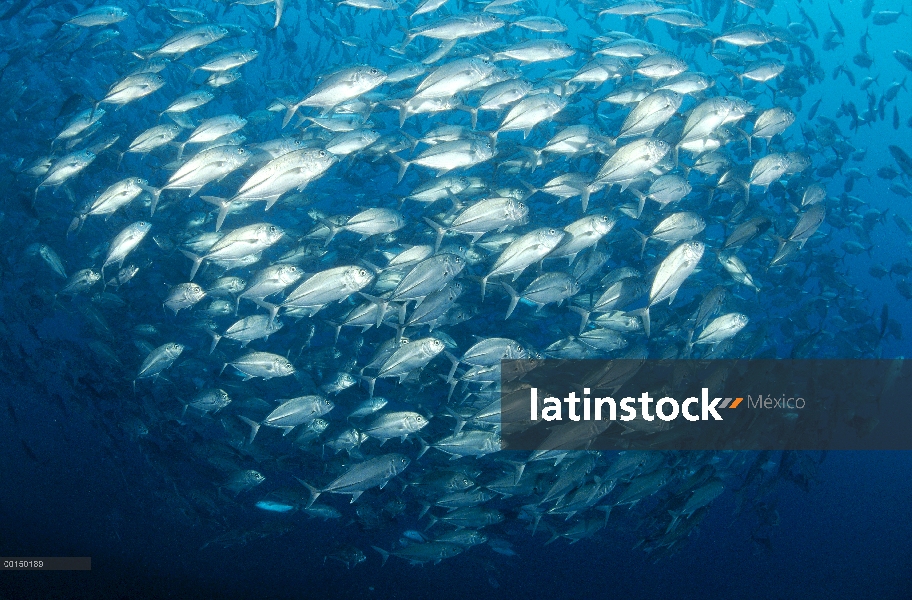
156, 193
584, 197
180, 150
370, 384
433, 521
424, 447
314, 492
584, 317
455, 362
333, 230
440, 229
337, 328
380, 303
514, 299
412, 140
222, 204
384, 555
215, 340
279, 7
532, 189
403, 166
197, 261
292, 109
643, 239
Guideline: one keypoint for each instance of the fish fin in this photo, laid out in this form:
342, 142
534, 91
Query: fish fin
642, 199
440, 229
370, 384
279, 7
514, 299
355, 496
156, 194
292, 109
584, 317
333, 230
424, 447
223, 205
455, 362
412, 140
384, 555
197, 261
643, 239
424, 508
337, 328
314, 492
254, 427
380, 303
433, 521
272, 308
271, 201
532, 189
520, 469
460, 422
584, 197
403, 166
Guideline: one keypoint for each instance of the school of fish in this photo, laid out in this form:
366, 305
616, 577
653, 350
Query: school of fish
297, 239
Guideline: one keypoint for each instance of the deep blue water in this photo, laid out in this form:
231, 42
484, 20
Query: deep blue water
78, 479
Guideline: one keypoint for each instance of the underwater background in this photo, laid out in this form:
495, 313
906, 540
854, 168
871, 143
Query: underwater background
140, 430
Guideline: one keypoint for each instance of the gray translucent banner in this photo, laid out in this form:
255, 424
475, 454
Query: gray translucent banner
46, 563
706, 405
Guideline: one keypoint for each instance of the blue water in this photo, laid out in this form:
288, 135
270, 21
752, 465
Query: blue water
77, 479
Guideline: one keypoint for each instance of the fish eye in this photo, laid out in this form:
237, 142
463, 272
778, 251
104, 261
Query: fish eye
273, 229
322, 153
552, 231
362, 272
